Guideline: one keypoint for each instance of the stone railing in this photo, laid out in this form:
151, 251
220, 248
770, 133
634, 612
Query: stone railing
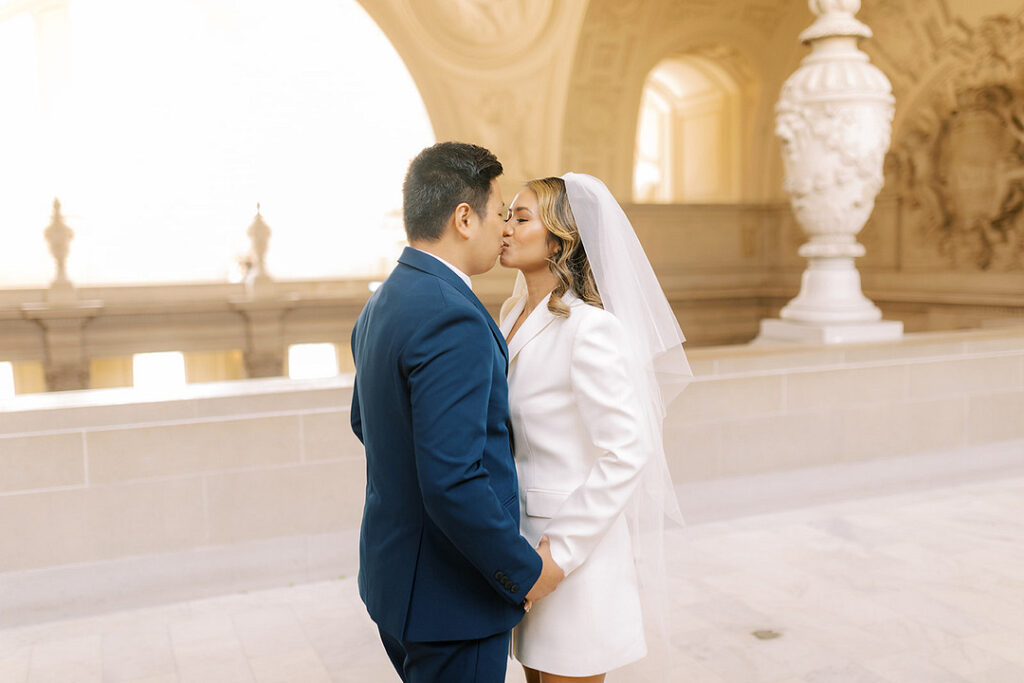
723, 267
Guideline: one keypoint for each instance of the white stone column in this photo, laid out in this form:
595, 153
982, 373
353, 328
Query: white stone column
834, 117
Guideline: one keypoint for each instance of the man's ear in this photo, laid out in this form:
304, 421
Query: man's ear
463, 216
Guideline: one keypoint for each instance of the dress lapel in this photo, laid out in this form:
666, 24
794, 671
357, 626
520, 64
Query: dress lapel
538, 319
506, 323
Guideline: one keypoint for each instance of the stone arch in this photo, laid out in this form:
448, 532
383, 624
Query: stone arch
610, 70
692, 136
468, 58
395, 27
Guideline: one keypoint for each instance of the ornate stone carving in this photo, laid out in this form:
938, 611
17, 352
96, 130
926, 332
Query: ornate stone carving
834, 117
959, 154
494, 29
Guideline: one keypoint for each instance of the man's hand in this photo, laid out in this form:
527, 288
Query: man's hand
550, 574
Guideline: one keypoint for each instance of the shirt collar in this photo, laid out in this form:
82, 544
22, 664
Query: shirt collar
465, 278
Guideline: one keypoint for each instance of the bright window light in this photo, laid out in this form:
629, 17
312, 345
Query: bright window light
6, 380
181, 115
165, 370
310, 361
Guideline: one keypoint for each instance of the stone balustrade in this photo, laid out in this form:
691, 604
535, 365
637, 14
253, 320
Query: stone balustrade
724, 267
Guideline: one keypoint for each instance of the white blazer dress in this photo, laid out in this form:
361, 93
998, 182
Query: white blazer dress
579, 454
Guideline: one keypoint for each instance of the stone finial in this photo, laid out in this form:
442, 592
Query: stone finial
258, 281
835, 18
820, 7
58, 237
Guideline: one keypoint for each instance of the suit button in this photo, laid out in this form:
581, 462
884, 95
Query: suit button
514, 588
499, 576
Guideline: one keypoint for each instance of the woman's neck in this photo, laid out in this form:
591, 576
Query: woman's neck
539, 283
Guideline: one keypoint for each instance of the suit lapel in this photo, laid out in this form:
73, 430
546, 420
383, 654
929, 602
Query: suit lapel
428, 264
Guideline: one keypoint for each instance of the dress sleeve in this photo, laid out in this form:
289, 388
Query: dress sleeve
606, 398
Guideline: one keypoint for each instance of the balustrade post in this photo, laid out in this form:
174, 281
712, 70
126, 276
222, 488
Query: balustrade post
62, 317
263, 307
264, 334
66, 363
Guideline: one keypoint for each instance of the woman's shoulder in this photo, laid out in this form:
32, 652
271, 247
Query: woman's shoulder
589, 316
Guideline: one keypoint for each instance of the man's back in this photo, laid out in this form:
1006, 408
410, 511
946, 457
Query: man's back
440, 553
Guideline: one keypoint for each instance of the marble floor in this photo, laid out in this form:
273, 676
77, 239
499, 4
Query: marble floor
924, 586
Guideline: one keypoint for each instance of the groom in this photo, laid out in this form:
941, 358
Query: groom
443, 570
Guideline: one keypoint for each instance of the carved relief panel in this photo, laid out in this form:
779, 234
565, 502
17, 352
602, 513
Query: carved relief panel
958, 153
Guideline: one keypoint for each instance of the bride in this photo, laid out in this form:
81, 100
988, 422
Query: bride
595, 356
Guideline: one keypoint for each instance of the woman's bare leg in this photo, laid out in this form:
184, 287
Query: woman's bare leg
554, 678
534, 676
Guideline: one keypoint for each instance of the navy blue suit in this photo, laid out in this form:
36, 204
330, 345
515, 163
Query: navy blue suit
441, 557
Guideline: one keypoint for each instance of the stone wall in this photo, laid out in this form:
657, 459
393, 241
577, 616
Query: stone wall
114, 497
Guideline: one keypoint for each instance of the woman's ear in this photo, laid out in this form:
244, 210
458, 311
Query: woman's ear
463, 216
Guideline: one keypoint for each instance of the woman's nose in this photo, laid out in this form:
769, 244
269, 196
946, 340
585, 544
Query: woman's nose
507, 230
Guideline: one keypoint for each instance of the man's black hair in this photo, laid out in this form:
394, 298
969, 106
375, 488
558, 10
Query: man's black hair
440, 178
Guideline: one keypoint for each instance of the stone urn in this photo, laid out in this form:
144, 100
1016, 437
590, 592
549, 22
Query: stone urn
834, 117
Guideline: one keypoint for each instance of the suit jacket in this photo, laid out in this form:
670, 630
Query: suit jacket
440, 554
580, 451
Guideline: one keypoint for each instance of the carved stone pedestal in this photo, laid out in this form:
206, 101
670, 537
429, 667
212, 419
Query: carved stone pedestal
66, 364
264, 331
780, 331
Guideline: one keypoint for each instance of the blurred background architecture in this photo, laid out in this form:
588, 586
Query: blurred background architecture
198, 196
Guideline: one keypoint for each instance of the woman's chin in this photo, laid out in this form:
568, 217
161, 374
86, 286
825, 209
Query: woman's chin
503, 260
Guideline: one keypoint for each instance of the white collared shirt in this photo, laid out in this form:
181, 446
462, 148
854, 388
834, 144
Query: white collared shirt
465, 278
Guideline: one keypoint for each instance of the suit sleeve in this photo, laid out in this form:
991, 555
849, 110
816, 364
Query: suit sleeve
450, 367
607, 402
355, 418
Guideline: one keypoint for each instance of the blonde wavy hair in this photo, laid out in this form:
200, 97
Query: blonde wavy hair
568, 262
